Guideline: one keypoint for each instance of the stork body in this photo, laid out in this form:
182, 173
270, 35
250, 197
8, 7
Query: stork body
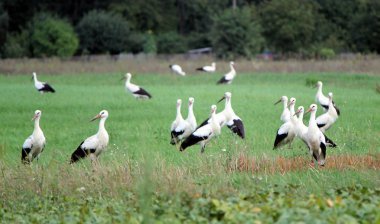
326, 120
202, 135
177, 69
287, 131
34, 144
178, 121
184, 127
137, 91
285, 115
322, 99
229, 77
93, 146
208, 68
42, 87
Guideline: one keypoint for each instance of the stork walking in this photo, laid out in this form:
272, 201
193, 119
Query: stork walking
286, 132
326, 120
285, 115
93, 146
204, 134
322, 99
137, 91
184, 127
229, 77
42, 87
177, 69
208, 68
34, 144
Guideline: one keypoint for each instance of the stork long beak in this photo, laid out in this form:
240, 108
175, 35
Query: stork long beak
96, 117
35, 117
277, 102
32, 77
297, 112
123, 78
308, 111
222, 99
289, 103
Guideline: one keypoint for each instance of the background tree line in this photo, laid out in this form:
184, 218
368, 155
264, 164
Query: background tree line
310, 28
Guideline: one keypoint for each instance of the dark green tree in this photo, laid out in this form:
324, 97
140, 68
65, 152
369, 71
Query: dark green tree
4, 19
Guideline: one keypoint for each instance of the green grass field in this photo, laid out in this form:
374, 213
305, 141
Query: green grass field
143, 178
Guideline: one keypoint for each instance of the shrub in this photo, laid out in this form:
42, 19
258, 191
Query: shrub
235, 33
326, 53
136, 43
150, 46
17, 45
51, 36
170, 43
102, 32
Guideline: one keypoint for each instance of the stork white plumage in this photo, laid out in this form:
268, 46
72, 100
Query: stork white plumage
204, 134
315, 139
326, 120
208, 68
137, 91
42, 87
229, 77
177, 121
286, 132
93, 146
185, 127
285, 115
228, 117
34, 144
177, 69
322, 99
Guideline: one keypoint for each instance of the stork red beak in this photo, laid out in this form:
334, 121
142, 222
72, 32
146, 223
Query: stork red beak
297, 112
96, 117
222, 99
277, 102
308, 111
35, 117
290, 103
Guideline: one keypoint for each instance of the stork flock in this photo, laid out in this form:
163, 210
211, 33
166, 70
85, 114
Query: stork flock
185, 132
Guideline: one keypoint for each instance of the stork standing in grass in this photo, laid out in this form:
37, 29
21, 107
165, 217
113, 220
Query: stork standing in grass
184, 127
326, 120
322, 99
177, 121
204, 134
208, 68
285, 115
315, 139
34, 144
93, 146
229, 77
137, 91
42, 87
177, 69
287, 131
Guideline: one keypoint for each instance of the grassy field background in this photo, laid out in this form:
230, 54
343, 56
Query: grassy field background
144, 178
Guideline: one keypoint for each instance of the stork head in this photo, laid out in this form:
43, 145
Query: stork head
319, 84
179, 102
227, 97
213, 109
232, 64
300, 109
37, 115
330, 95
292, 101
312, 108
102, 114
213, 64
34, 75
282, 99
191, 101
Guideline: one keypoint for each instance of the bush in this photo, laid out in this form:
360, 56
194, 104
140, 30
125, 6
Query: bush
102, 32
136, 43
171, 43
326, 53
17, 45
235, 33
51, 36
150, 46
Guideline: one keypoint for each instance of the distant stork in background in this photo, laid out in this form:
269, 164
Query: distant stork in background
208, 68
137, 91
285, 115
177, 69
322, 99
228, 117
184, 127
229, 77
42, 87
34, 144
93, 146
204, 134
326, 120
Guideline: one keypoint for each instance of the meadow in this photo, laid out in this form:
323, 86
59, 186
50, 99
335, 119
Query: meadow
142, 178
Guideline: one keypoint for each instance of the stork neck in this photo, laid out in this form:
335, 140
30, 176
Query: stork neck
128, 80
285, 104
300, 116
232, 68
36, 125
101, 125
179, 115
191, 112
312, 122
319, 90
35, 78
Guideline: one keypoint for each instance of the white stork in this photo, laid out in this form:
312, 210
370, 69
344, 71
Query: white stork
228, 117
42, 87
93, 146
285, 115
34, 144
287, 131
177, 69
177, 121
228, 78
137, 91
315, 139
208, 68
322, 99
326, 120
204, 134
184, 127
